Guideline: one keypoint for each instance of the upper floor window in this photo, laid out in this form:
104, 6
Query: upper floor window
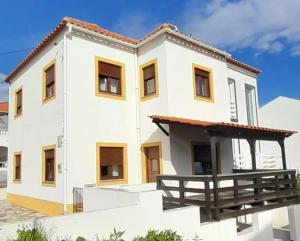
203, 85
149, 80
111, 163
18, 102
233, 102
250, 104
49, 81
17, 167
49, 165
110, 80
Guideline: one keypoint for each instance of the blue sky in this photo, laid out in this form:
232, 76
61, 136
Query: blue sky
265, 34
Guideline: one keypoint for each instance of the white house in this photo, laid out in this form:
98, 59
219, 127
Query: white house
283, 113
3, 142
89, 107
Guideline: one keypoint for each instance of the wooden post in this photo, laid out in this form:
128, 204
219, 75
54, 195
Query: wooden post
253, 155
281, 143
213, 141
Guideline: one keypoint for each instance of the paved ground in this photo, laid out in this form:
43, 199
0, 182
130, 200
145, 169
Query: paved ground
10, 213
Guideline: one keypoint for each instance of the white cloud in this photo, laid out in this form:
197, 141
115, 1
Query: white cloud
295, 51
3, 88
266, 26
134, 25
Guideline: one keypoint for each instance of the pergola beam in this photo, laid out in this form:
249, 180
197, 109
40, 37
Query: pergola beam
283, 156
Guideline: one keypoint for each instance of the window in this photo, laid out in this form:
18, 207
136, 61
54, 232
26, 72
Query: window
250, 104
111, 164
49, 165
149, 80
49, 81
233, 102
202, 164
18, 102
203, 88
110, 80
17, 167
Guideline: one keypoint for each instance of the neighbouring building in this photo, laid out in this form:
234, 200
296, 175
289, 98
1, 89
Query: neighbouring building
3, 142
283, 113
93, 108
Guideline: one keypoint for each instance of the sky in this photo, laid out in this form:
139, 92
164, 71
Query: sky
264, 34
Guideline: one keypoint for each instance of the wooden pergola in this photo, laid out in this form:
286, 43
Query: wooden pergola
219, 130
250, 192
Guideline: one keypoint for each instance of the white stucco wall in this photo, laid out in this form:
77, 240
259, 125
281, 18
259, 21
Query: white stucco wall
38, 126
93, 119
283, 113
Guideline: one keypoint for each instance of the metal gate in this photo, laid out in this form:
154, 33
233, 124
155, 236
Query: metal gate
77, 199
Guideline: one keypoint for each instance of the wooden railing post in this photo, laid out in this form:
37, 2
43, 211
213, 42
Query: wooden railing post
181, 192
235, 189
207, 199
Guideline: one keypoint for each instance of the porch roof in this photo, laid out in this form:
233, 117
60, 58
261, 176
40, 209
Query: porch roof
230, 130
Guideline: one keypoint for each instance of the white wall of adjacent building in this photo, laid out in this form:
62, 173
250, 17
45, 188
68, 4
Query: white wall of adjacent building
282, 113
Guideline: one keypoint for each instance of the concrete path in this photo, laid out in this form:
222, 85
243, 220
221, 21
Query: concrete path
10, 213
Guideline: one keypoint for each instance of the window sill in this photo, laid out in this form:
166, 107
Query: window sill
18, 115
150, 96
17, 181
112, 182
48, 184
204, 99
46, 100
111, 96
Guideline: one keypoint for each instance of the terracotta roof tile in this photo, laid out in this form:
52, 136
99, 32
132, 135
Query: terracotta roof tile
3, 107
242, 65
95, 28
178, 120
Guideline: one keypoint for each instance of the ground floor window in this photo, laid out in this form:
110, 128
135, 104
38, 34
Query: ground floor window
49, 165
17, 166
111, 163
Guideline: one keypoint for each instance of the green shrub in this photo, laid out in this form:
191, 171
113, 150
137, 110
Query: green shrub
115, 236
80, 239
166, 235
33, 234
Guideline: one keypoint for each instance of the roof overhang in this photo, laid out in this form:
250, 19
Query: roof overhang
227, 130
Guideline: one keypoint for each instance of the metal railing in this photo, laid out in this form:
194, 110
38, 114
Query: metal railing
235, 194
3, 132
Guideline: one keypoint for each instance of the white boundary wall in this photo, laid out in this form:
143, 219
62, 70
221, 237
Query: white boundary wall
142, 212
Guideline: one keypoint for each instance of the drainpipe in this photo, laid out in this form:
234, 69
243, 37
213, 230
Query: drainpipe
137, 111
65, 166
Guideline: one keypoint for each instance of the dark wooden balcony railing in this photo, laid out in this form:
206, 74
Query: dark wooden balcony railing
235, 195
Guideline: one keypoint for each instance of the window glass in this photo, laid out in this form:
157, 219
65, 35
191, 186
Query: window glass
49, 165
149, 80
111, 163
109, 78
202, 83
17, 167
50, 81
19, 104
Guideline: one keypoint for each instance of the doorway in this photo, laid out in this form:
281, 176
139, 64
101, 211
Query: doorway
151, 158
202, 161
